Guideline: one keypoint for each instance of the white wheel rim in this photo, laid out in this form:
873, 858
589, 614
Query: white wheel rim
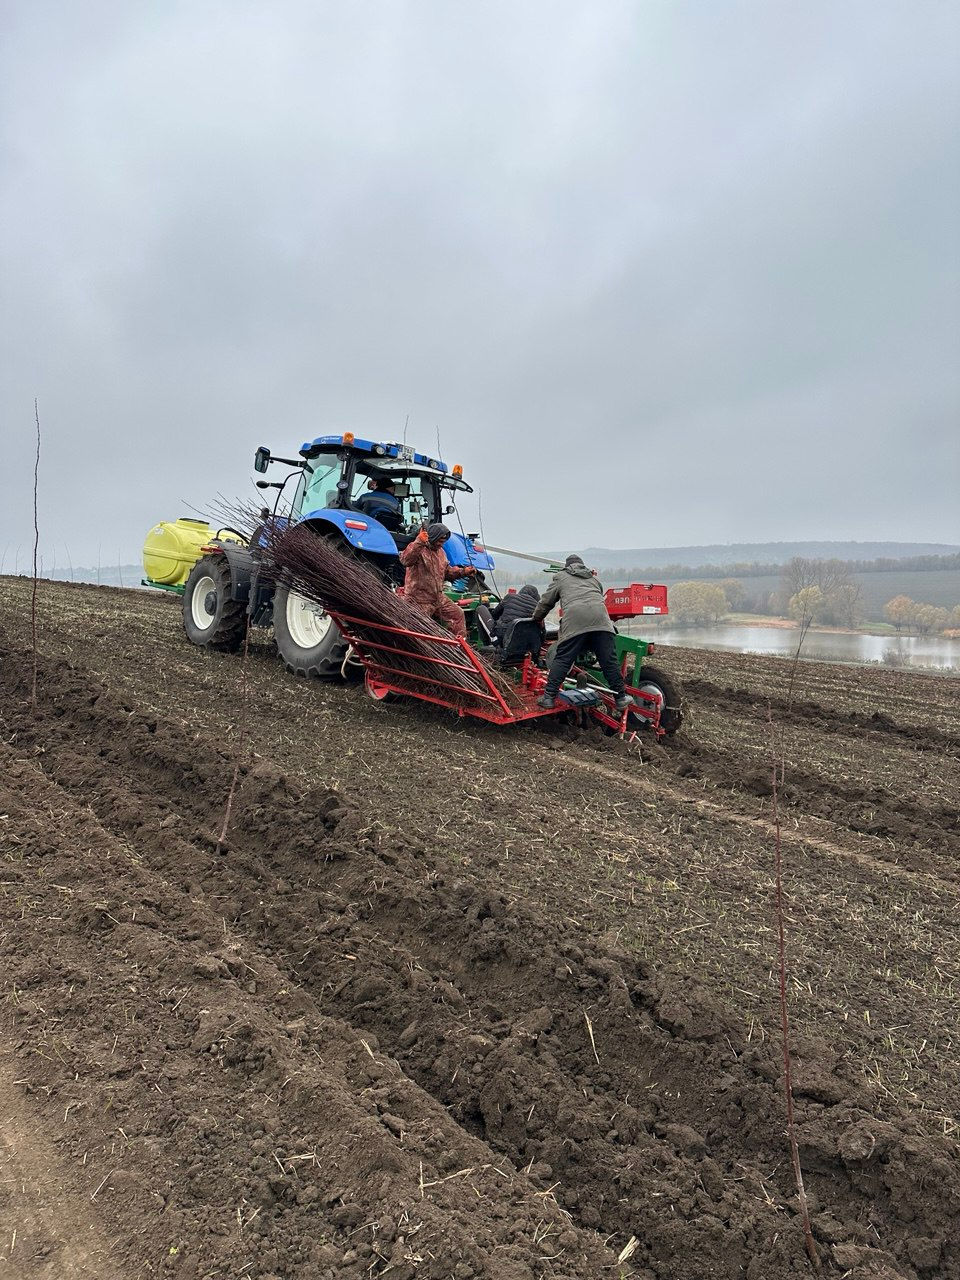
202, 616
654, 691
307, 621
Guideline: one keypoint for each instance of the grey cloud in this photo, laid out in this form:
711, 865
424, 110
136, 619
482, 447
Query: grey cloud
661, 273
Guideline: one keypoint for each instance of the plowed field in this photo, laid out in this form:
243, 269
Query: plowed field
454, 1002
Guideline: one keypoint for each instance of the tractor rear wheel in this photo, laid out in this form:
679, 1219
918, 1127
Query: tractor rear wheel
211, 616
653, 680
308, 639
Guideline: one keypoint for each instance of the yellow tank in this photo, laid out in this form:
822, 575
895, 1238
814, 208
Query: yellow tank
172, 549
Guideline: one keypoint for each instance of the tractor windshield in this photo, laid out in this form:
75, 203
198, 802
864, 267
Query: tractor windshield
321, 485
420, 504
417, 489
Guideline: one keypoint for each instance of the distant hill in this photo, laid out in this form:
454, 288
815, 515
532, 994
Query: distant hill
751, 558
774, 553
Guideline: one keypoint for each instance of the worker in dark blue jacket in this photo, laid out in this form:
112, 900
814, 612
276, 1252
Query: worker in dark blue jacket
381, 503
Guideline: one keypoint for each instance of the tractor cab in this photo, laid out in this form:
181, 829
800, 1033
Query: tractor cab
339, 471
331, 482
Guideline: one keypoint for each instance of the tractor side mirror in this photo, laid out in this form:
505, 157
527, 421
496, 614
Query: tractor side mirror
261, 459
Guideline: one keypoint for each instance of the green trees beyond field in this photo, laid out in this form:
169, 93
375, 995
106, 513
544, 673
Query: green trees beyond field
698, 602
810, 591
913, 615
821, 591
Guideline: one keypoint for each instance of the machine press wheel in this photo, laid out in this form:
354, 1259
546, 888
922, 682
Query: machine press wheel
376, 691
653, 680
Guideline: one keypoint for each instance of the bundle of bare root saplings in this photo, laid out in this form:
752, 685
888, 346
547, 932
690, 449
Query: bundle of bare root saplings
343, 584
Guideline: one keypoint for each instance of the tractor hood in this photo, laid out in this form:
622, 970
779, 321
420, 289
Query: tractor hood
367, 534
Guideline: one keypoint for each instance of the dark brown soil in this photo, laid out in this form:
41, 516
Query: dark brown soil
454, 1003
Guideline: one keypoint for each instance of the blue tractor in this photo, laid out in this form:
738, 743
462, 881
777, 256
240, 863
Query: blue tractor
333, 484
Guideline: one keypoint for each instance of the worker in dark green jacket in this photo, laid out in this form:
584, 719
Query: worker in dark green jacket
585, 626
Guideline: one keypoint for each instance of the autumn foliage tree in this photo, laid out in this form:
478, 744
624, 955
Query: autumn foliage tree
922, 618
899, 611
931, 617
697, 602
734, 591
806, 605
840, 594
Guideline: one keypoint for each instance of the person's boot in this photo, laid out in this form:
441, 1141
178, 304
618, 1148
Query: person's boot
547, 701
623, 702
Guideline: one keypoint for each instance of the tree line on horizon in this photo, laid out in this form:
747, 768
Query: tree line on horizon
761, 569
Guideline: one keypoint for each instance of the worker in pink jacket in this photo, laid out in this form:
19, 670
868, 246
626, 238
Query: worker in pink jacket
427, 569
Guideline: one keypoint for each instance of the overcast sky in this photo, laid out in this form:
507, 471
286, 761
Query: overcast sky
661, 272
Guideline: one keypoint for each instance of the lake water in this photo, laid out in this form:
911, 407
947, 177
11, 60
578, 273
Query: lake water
931, 652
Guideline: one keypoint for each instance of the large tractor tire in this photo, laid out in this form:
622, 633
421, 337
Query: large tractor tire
308, 639
211, 617
653, 680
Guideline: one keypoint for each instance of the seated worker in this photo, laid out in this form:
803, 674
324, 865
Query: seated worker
381, 503
585, 626
514, 606
515, 631
427, 569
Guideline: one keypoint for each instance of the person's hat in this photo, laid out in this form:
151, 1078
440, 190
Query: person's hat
437, 533
572, 560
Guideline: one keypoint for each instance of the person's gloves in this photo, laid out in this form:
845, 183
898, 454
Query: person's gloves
422, 535
468, 570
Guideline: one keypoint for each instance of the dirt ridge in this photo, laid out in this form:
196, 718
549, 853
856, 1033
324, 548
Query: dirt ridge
807, 711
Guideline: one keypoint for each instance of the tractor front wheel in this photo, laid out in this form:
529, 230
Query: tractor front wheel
308, 639
211, 616
653, 680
